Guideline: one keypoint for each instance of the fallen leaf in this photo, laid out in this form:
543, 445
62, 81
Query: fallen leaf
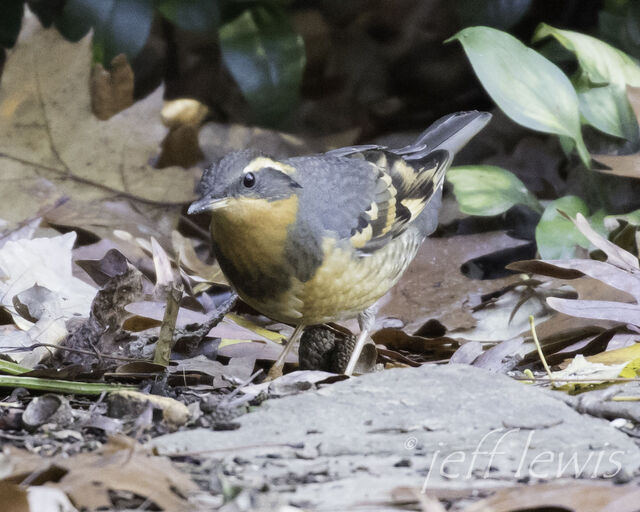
46, 262
51, 133
573, 496
46, 499
580, 368
120, 465
597, 309
14, 498
618, 356
238, 370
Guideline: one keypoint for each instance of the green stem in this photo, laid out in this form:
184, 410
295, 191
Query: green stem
60, 386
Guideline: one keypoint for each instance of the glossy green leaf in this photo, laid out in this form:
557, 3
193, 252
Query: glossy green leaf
530, 89
606, 106
502, 14
556, 236
608, 109
125, 31
266, 58
78, 16
11, 12
488, 190
599, 61
119, 26
192, 15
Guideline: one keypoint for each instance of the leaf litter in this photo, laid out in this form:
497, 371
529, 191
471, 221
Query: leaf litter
119, 201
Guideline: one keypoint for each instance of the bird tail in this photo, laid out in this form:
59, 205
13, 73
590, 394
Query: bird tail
449, 133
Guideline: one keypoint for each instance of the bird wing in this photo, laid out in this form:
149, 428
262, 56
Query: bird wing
402, 190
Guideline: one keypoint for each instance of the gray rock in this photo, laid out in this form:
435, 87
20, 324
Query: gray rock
446, 427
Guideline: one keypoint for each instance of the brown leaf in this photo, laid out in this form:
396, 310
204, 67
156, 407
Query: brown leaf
597, 309
47, 130
121, 465
571, 269
545, 268
14, 498
569, 496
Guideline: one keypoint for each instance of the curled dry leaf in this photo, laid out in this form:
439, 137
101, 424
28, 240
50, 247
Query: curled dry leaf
120, 465
620, 271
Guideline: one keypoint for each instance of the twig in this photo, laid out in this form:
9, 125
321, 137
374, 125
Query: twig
8, 350
162, 354
539, 348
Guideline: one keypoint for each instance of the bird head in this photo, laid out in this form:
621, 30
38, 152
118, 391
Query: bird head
243, 176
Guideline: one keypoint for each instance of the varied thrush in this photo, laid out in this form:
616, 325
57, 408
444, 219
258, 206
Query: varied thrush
313, 239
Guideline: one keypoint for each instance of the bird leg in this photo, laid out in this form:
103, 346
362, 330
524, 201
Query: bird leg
276, 370
366, 320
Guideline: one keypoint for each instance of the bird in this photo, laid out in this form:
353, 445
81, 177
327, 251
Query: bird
321, 238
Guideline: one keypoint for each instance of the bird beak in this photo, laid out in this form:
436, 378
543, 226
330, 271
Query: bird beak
207, 204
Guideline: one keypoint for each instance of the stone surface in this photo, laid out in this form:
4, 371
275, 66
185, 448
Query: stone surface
446, 427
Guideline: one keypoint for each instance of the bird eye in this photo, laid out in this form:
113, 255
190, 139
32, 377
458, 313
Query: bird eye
249, 180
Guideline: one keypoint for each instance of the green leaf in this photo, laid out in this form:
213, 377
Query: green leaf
556, 236
608, 109
266, 58
120, 26
530, 89
502, 14
125, 30
632, 218
488, 190
78, 16
193, 15
11, 14
599, 61
46, 10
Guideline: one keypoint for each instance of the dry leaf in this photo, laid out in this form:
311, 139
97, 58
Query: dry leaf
580, 368
120, 465
46, 262
47, 130
566, 496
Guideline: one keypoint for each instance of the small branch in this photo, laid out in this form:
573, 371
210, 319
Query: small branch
165, 342
8, 350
